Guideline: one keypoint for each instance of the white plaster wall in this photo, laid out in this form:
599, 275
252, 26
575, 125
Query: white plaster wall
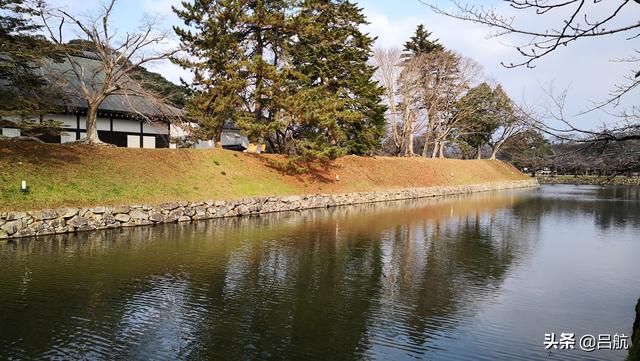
227, 138
83, 122
11, 132
205, 144
126, 125
233, 137
178, 131
67, 137
103, 123
18, 118
155, 128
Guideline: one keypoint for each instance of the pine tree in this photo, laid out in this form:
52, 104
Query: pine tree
238, 46
22, 90
332, 54
421, 44
291, 73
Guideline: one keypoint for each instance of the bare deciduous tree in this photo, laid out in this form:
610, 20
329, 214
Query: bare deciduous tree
460, 74
442, 78
118, 55
388, 64
575, 20
511, 126
421, 93
579, 20
412, 108
403, 95
614, 144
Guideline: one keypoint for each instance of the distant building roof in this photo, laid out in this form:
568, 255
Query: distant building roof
132, 100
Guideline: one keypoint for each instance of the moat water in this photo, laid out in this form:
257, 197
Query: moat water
479, 277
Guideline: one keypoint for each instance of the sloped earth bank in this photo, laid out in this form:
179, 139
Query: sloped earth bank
83, 188
82, 176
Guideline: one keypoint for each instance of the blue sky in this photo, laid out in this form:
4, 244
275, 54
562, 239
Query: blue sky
585, 67
397, 9
129, 11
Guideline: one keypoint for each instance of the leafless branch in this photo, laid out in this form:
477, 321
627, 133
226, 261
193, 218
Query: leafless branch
119, 57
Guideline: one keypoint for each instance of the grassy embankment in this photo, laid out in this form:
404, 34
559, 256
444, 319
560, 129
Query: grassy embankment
82, 176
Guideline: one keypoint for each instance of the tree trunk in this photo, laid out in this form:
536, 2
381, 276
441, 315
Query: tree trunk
427, 140
217, 138
425, 150
494, 153
259, 79
409, 142
441, 150
479, 152
409, 152
436, 146
92, 129
409, 137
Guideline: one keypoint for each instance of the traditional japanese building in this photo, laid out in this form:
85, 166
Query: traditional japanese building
127, 119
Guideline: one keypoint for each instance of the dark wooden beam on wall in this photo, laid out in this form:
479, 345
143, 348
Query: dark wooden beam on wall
141, 131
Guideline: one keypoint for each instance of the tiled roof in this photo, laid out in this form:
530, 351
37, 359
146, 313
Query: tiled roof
131, 100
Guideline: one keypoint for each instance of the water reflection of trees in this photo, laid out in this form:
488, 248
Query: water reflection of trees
439, 270
612, 207
342, 283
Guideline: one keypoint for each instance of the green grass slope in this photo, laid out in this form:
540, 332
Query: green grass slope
60, 175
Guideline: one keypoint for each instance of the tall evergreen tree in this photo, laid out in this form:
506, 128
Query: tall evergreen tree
332, 54
291, 73
236, 47
420, 43
22, 90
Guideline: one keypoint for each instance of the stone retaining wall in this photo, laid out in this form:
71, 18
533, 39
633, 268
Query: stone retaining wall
68, 220
589, 180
